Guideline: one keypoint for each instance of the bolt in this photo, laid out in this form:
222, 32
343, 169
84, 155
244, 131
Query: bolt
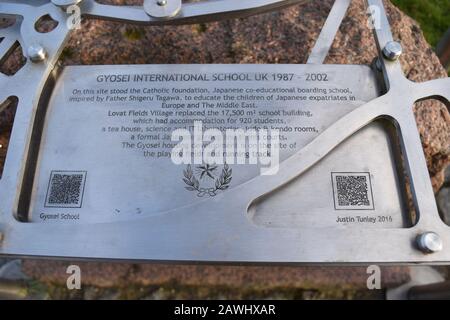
65, 3
162, 9
36, 53
392, 51
429, 242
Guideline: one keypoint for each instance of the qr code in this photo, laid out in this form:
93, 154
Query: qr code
352, 191
65, 189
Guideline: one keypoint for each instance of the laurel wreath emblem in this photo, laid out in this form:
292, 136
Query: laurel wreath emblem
221, 183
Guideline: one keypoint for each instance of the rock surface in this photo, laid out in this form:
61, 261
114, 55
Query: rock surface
443, 198
261, 277
278, 37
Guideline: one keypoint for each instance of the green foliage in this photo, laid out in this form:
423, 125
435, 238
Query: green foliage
432, 15
133, 33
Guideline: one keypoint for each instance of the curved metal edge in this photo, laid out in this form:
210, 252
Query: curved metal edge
195, 12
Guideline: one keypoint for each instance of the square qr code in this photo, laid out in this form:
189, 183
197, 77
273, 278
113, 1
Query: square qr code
65, 189
352, 191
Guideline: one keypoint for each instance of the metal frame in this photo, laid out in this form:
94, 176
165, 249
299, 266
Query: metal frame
228, 229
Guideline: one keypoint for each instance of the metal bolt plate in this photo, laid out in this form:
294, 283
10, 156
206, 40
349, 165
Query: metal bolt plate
65, 3
162, 9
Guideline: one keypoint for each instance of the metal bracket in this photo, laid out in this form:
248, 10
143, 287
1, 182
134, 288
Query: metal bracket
328, 33
396, 105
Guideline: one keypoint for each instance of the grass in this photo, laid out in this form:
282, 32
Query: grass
432, 15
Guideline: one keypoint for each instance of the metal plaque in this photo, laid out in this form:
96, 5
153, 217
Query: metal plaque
313, 163
105, 150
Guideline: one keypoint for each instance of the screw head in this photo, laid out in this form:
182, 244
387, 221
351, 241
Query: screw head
392, 51
162, 9
65, 3
36, 53
429, 242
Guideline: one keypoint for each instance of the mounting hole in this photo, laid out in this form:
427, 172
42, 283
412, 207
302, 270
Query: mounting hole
45, 24
13, 60
7, 114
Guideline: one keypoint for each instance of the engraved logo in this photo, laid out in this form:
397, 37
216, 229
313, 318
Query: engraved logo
206, 180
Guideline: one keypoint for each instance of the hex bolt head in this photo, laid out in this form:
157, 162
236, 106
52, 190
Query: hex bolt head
36, 53
392, 51
429, 242
65, 3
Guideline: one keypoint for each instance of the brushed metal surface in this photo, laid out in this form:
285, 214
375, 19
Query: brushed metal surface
123, 182
239, 224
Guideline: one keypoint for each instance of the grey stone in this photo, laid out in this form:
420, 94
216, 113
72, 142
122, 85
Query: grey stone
420, 275
443, 202
447, 176
12, 270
